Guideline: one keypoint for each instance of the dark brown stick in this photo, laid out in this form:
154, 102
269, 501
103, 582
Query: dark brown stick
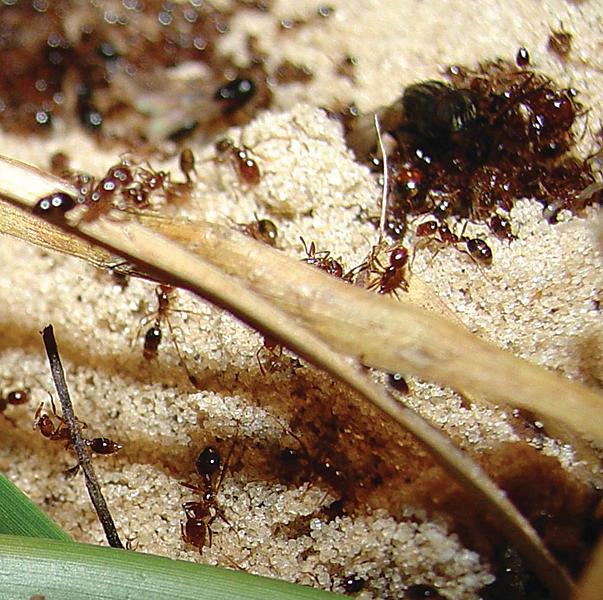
82, 452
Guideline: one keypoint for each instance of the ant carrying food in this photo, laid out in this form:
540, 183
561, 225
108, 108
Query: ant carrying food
200, 514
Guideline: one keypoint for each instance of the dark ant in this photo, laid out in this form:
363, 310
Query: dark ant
479, 249
389, 279
501, 228
13, 398
54, 207
522, 58
262, 230
322, 260
153, 335
352, 584
393, 277
299, 464
245, 166
200, 514
397, 381
235, 94
420, 591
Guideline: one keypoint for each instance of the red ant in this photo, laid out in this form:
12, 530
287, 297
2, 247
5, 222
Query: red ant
14, 398
298, 465
322, 260
262, 230
153, 336
61, 432
476, 248
187, 165
200, 514
389, 279
397, 381
393, 277
245, 166
275, 356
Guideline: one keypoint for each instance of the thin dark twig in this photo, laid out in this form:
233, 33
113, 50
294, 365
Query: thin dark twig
81, 450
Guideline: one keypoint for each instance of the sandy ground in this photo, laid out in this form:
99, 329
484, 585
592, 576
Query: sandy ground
538, 300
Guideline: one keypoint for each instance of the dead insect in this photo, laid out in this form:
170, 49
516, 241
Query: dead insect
436, 110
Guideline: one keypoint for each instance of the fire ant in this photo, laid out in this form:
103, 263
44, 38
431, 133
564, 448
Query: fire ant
560, 42
200, 514
389, 279
14, 398
352, 584
54, 206
244, 165
297, 465
60, 432
322, 260
439, 232
187, 164
153, 335
398, 383
262, 230
393, 277
235, 94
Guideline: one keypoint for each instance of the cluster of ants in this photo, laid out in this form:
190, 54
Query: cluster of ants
55, 428
465, 150
130, 184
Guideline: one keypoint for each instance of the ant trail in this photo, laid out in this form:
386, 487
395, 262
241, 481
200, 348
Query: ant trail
384, 192
82, 452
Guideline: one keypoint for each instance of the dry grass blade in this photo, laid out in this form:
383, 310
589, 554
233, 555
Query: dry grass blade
171, 262
395, 336
591, 583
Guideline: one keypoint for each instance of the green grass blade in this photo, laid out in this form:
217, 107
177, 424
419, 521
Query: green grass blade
20, 516
70, 571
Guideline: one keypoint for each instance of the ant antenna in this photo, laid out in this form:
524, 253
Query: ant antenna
384, 194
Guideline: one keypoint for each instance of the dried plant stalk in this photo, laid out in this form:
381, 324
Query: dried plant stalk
171, 262
396, 336
591, 582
